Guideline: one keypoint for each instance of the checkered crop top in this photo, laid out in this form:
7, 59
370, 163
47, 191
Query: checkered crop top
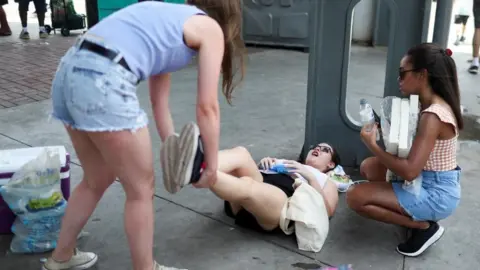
444, 154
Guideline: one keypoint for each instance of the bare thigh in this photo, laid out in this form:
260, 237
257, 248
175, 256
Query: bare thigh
238, 162
129, 155
374, 193
373, 170
268, 202
96, 172
264, 201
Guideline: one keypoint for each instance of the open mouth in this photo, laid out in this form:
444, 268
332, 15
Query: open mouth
315, 153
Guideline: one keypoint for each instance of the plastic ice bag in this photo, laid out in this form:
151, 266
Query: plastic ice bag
34, 195
385, 115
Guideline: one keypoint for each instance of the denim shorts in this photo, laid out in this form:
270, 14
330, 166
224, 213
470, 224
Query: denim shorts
93, 93
438, 197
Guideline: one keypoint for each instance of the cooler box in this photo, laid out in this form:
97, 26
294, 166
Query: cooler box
12, 160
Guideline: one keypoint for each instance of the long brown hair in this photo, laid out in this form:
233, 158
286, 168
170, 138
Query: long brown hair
228, 14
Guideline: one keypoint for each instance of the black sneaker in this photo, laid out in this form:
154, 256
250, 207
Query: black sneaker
420, 240
462, 39
473, 69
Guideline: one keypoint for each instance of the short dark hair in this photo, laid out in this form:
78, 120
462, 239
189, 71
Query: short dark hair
442, 74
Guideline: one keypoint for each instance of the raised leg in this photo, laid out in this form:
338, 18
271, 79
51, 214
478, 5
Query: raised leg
264, 201
238, 162
240, 183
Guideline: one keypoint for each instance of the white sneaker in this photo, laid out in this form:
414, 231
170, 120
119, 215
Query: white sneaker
80, 260
168, 159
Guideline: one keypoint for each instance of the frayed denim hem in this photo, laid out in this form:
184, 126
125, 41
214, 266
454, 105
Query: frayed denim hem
100, 129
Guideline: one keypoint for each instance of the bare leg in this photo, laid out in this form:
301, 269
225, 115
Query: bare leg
238, 162
377, 201
264, 201
240, 183
127, 155
458, 31
96, 179
373, 170
130, 157
476, 43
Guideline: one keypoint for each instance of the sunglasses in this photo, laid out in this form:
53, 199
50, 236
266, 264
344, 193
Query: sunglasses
402, 73
323, 148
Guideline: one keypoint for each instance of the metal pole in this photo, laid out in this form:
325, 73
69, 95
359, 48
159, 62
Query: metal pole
443, 18
92, 12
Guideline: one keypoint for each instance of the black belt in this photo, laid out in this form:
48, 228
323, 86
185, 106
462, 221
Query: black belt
110, 54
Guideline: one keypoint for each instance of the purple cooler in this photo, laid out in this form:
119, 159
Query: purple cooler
12, 160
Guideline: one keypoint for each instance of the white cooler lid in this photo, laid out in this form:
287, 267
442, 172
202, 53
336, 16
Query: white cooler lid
12, 159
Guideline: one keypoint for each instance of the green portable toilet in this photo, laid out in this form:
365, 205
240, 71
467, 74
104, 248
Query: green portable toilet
97, 10
107, 7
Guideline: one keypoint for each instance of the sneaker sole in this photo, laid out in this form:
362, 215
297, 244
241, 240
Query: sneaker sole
427, 244
188, 144
80, 267
168, 159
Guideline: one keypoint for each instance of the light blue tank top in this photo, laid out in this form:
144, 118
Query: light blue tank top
149, 35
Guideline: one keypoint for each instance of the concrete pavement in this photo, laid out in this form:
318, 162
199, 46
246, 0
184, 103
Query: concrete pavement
268, 118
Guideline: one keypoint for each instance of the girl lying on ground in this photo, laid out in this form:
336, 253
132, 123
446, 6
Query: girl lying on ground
253, 196
430, 72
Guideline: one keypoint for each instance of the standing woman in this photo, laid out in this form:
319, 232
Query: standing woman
94, 95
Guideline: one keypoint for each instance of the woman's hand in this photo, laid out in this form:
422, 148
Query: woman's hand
369, 138
207, 179
296, 167
267, 163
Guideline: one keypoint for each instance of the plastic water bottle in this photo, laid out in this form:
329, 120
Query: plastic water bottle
367, 117
366, 114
